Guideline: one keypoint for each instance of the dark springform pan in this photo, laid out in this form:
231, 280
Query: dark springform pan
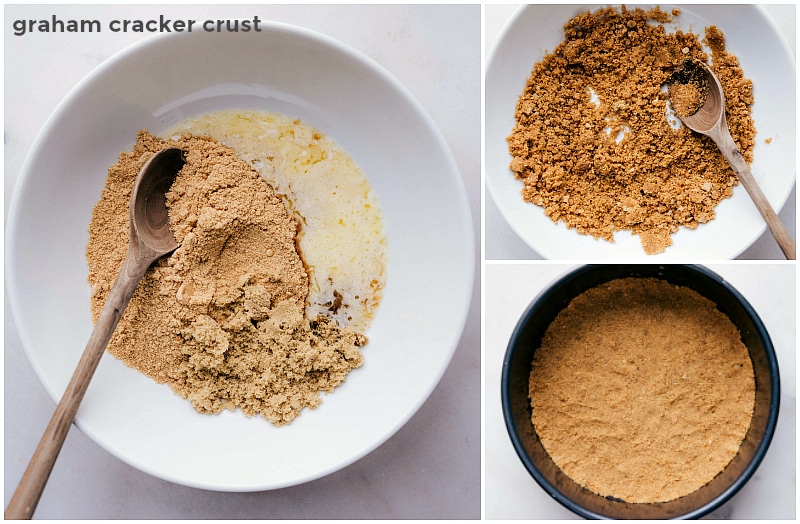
526, 339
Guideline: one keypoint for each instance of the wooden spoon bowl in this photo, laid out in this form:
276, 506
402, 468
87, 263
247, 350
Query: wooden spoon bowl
710, 120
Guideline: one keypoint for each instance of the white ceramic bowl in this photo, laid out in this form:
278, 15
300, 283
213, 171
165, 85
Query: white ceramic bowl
430, 271
765, 58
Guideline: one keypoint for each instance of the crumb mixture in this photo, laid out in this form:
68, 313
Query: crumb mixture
593, 144
688, 89
642, 390
687, 98
222, 319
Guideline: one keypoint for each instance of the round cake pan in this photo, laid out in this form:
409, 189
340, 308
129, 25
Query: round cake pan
527, 336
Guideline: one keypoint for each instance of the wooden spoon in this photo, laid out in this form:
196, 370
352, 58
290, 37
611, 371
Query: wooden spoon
150, 238
710, 120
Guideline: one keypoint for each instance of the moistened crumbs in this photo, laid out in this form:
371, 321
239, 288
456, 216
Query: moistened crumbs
687, 98
688, 89
641, 390
222, 319
592, 142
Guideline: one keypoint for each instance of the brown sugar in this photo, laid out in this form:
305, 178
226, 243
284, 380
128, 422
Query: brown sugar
641, 390
592, 143
222, 319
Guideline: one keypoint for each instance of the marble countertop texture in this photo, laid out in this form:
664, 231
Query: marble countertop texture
501, 243
431, 468
510, 491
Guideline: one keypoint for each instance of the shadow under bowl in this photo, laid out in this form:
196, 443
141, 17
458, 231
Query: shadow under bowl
526, 338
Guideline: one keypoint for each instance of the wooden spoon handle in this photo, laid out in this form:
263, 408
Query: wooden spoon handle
26, 497
782, 236
742, 170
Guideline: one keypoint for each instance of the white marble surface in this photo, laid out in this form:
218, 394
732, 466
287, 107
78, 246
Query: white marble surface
511, 493
501, 243
431, 468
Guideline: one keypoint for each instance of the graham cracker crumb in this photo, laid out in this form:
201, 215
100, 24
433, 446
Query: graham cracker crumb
642, 390
222, 319
687, 98
592, 143
688, 89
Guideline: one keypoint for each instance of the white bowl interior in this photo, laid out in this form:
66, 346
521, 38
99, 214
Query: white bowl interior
750, 34
159, 82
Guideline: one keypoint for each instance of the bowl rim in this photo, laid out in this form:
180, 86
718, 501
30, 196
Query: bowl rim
24, 176
459, 197
761, 449
520, 229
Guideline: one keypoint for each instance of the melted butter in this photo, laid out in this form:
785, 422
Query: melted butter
342, 239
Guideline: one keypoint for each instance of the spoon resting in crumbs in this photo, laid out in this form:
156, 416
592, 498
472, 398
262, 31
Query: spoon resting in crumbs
150, 239
706, 116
